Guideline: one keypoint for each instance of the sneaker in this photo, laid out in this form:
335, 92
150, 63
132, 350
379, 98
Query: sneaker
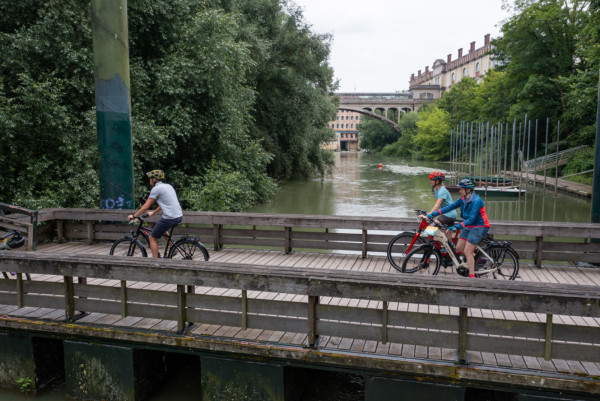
443, 251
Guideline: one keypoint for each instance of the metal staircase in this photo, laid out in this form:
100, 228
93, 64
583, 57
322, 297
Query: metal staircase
534, 165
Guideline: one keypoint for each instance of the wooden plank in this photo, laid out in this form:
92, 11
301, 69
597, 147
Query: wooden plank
576, 300
395, 335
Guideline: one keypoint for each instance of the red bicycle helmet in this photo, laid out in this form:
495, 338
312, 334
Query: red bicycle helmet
437, 175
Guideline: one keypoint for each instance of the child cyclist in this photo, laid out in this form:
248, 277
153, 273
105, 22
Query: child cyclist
475, 225
442, 199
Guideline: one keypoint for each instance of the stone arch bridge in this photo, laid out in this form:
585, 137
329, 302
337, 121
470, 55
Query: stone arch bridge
370, 103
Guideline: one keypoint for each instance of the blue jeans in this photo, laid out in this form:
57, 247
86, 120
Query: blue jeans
473, 235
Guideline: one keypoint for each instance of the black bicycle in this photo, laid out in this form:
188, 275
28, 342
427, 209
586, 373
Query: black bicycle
186, 248
15, 241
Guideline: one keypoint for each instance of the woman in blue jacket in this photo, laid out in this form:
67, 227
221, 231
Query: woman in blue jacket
475, 225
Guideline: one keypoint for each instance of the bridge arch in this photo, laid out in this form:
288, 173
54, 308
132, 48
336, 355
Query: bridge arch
370, 113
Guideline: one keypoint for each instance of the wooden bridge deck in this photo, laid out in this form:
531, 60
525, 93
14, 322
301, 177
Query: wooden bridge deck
549, 274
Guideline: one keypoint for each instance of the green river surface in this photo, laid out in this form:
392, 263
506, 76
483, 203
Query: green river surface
358, 187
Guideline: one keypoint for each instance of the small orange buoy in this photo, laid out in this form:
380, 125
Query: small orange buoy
380, 165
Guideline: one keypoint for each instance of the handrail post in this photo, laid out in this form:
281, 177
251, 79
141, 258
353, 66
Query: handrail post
364, 244
244, 310
548, 340
462, 336
288, 240
20, 299
313, 301
90, 232
384, 322
69, 298
59, 231
539, 243
217, 236
181, 308
123, 299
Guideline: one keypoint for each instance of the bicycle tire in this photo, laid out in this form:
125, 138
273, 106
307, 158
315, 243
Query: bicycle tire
507, 271
121, 248
422, 257
399, 245
186, 248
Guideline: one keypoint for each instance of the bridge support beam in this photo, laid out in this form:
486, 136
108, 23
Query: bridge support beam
241, 380
106, 372
24, 356
381, 389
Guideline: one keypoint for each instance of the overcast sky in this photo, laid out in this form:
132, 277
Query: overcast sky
379, 43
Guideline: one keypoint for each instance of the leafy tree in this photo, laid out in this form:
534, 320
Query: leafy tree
458, 101
405, 146
375, 134
537, 48
222, 94
433, 134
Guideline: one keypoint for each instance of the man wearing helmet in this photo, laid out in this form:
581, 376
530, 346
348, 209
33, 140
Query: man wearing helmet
442, 199
165, 196
475, 225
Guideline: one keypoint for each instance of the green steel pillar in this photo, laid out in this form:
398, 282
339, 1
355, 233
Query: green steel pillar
113, 104
596, 181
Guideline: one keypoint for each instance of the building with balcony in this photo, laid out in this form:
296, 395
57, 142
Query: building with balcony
431, 84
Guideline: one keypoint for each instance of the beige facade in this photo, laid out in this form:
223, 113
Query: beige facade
346, 131
433, 83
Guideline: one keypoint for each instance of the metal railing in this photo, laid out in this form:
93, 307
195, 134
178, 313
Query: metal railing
534, 165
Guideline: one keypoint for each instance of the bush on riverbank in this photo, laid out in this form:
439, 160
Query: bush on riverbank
244, 83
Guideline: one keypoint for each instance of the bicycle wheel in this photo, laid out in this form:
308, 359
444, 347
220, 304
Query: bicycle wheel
423, 259
128, 247
505, 258
398, 247
189, 249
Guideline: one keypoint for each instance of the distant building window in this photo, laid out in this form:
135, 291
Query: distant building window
346, 125
437, 81
426, 95
464, 72
338, 117
452, 77
477, 68
338, 126
351, 125
352, 117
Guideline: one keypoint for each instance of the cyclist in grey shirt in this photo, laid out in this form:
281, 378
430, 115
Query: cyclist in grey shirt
165, 196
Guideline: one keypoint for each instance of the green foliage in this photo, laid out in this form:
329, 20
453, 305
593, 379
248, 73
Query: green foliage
244, 83
25, 384
405, 145
433, 134
582, 161
375, 134
547, 60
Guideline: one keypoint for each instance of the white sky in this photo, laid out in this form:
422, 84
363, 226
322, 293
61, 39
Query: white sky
379, 43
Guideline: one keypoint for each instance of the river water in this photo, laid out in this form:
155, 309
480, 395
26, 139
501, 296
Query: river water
358, 187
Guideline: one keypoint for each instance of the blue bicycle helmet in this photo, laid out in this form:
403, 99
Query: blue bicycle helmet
466, 184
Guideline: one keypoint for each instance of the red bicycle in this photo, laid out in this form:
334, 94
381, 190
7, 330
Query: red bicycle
404, 242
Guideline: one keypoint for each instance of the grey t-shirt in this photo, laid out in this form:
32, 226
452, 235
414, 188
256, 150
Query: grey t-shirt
165, 196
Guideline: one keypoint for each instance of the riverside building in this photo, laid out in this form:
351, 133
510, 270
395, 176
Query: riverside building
346, 131
431, 84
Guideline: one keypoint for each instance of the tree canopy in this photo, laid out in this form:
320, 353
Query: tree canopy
226, 96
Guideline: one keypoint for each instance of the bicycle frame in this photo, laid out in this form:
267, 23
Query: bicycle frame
423, 224
440, 238
145, 233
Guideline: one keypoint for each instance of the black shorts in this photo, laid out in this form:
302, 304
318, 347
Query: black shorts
163, 226
445, 220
